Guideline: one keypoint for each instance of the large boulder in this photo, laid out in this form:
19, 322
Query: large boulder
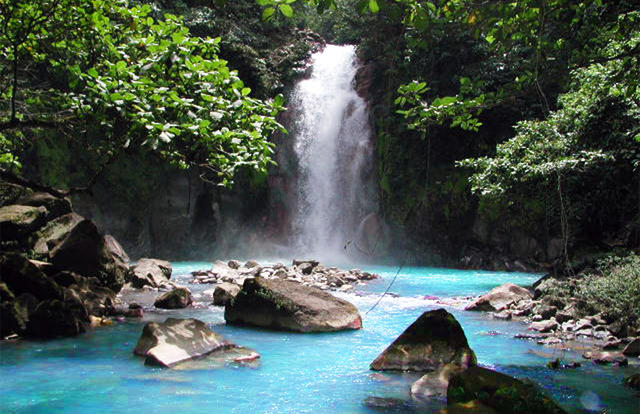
149, 272
177, 340
281, 304
22, 276
432, 341
56, 318
54, 232
499, 298
18, 222
632, 348
225, 293
84, 251
55, 206
501, 392
177, 298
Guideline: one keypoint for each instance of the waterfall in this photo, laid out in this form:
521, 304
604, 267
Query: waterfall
335, 186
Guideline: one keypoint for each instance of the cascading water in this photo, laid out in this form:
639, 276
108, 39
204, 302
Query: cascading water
334, 151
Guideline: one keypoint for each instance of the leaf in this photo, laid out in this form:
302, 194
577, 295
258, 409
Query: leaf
373, 6
268, 13
286, 10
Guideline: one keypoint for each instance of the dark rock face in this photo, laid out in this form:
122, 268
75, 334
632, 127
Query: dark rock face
149, 272
633, 381
84, 251
55, 206
54, 232
633, 348
281, 304
500, 297
175, 299
179, 340
22, 276
433, 340
17, 222
501, 392
55, 318
225, 293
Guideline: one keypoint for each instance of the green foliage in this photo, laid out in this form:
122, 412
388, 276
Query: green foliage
615, 289
133, 80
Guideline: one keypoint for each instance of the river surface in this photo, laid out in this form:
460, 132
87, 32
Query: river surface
314, 373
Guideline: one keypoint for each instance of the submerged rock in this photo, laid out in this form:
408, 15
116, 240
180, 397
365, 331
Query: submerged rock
432, 341
500, 298
286, 305
471, 407
435, 383
178, 340
633, 381
501, 392
225, 293
386, 404
177, 298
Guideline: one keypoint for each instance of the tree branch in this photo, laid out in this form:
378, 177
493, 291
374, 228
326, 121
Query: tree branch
29, 123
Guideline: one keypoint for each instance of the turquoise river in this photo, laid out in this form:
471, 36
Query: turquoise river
298, 373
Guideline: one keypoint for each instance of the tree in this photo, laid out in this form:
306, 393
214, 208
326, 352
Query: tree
109, 75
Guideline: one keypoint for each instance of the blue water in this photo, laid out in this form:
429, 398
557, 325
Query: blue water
319, 373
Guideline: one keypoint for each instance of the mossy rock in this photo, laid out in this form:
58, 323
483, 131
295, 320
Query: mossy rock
501, 392
17, 222
432, 341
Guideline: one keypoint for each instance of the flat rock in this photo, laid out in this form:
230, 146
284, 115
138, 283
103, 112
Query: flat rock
544, 326
285, 305
499, 298
177, 340
432, 341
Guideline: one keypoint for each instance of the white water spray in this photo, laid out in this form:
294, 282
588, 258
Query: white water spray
334, 150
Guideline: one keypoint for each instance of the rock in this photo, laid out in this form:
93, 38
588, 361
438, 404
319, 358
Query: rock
505, 315
224, 293
22, 276
298, 262
499, 391
546, 311
563, 316
177, 340
499, 298
612, 343
234, 264
117, 250
54, 318
385, 404
52, 233
544, 326
174, 299
432, 341
475, 407
251, 264
149, 272
435, 383
17, 222
534, 336
606, 358
55, 206
633, 381
10, 193
281, 304
84, 251
633, 348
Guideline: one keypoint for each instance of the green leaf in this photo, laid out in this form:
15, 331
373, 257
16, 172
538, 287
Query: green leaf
286, 10
268, 13
373, 6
